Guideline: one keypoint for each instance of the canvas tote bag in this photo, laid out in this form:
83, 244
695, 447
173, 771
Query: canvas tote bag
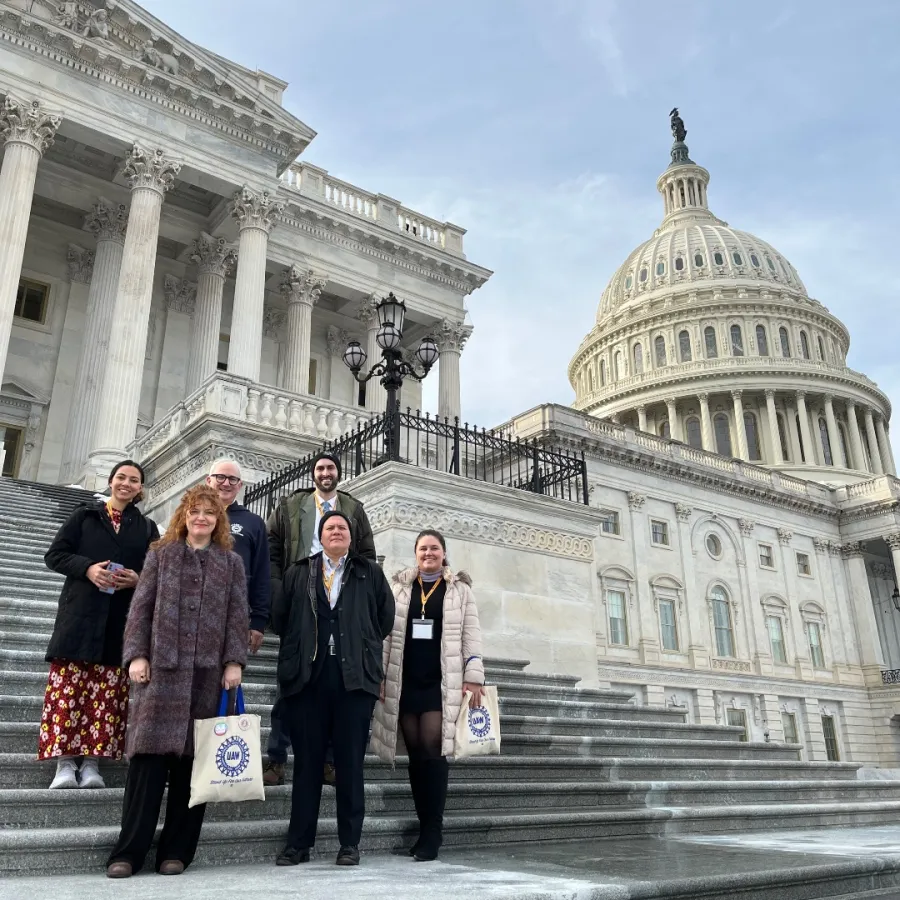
227, 759
478, 729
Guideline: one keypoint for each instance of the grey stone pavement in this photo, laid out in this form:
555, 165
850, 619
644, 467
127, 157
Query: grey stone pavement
616, 869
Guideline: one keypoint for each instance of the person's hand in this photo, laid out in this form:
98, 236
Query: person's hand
477, 691
232, 677
124, 579
381, 692
255, 640
99, 577
139, 670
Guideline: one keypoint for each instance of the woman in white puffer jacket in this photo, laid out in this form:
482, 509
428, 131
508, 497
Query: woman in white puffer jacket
431, 658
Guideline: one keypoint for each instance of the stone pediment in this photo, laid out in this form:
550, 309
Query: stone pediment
122, 38
20, 389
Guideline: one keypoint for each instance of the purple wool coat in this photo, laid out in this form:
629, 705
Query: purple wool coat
188, 623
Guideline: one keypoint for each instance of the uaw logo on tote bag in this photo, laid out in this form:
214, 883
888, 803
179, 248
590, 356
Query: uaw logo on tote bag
479, 722
227, 759
478, 728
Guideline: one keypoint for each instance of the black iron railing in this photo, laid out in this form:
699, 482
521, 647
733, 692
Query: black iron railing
428, 442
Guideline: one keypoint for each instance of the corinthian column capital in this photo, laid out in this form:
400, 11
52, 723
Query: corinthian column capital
452, 335
107, 221
181, 295
28, 123
150, 169
367, 314
81, 264
254, 209
302, 285
212, 255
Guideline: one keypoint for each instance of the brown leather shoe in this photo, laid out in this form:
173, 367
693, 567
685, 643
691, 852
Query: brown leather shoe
119, 870
328, 776
171, 867
273, 774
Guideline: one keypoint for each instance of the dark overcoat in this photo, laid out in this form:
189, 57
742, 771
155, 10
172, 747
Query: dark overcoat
89, 623
189, 619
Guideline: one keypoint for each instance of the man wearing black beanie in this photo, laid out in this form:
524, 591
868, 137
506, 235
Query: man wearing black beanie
293, 530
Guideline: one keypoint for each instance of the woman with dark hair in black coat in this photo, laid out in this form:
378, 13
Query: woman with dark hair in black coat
100, 549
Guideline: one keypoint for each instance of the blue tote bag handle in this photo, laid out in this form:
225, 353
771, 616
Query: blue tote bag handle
238, 702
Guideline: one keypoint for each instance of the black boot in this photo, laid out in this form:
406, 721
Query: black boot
415, 783
435, 773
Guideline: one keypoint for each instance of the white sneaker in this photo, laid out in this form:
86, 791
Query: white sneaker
90, 776
66, 773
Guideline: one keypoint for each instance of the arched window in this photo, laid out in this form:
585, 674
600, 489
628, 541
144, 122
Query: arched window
660, 268
698, 260
826, 444
602, 373
679, 263
659, 345
590, 379
821, 346
721, 610
629, 281
782, 435
664, 430
694, 432
723, 435
643, 275
785, 341
845, 447
751, 429
709, 335
737, 341
762, 340
638, 354
738, 260
617, 365
718, 259
804, 345
684, 346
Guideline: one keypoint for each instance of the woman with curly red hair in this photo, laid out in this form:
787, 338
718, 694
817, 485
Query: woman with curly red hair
185, 640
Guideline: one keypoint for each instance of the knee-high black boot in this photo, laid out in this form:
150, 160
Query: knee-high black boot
415, 783
435, 774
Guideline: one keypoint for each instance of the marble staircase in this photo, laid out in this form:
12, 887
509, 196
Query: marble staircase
577, 764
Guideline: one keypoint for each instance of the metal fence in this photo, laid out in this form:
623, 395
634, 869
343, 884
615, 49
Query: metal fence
428, 442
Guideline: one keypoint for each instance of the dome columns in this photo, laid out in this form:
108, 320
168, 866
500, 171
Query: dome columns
706, 430
774, 437
874, 452
742, 451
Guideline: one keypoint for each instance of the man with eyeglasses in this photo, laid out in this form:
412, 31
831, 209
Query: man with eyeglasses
250, 543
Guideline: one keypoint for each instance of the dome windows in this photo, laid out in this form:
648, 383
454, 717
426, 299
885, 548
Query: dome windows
718, 259
804, 345
785, 342
738, 259
762, 340
722, 432
698, 260
737, 341
602, 373
642, 276
684, 346
821, 347
638, 355
694, 433
679, 264
751, 430
660, 268
659, 349
770, 263
629, 281
754, 260
709, 336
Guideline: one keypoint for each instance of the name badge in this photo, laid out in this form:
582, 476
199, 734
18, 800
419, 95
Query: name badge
423, 629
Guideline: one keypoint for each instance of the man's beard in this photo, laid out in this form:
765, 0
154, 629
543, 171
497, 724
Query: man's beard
327, 488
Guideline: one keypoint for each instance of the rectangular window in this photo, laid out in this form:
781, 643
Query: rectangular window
766, 557
722, 623
737, 717
361, 395
814, 639
618, 621
31, 300
667, 625
609, 524
659, 532
776, 638
789, 724
12, 444
803, 566
831, 742
222, 366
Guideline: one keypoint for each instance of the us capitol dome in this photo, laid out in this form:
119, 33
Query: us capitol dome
707, 335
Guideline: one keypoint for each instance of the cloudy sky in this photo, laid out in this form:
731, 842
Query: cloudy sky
541, 127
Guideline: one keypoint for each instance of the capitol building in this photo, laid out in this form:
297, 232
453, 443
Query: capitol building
182, 282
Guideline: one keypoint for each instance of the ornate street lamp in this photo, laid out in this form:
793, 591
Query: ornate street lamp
895, 597
392, 369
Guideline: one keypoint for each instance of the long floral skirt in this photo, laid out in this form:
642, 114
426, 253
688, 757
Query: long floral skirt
85, 711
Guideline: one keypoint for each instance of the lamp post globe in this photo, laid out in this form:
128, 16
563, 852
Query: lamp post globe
427, 353
354, 356
391, 311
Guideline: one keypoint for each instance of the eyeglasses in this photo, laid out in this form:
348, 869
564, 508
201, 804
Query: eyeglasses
231, 479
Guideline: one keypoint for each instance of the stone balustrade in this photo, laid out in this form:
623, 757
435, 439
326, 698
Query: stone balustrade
311, 181
238, 399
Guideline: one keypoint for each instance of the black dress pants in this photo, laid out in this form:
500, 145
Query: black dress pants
144, 788
325, 713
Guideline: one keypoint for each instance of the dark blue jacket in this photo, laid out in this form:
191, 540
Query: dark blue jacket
252, 545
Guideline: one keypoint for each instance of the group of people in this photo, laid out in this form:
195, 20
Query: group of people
170, 621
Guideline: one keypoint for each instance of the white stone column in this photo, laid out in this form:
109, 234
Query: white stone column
150, 174
871, 655
793, 435
214, 259
809, 448
774, 434
642, 418
874, 452
376, 396
255, 213
884, 447
672, 417
741, 431
107, 221
27, 130
301, 289
856, 446
451, 338
834, 436
706, 428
